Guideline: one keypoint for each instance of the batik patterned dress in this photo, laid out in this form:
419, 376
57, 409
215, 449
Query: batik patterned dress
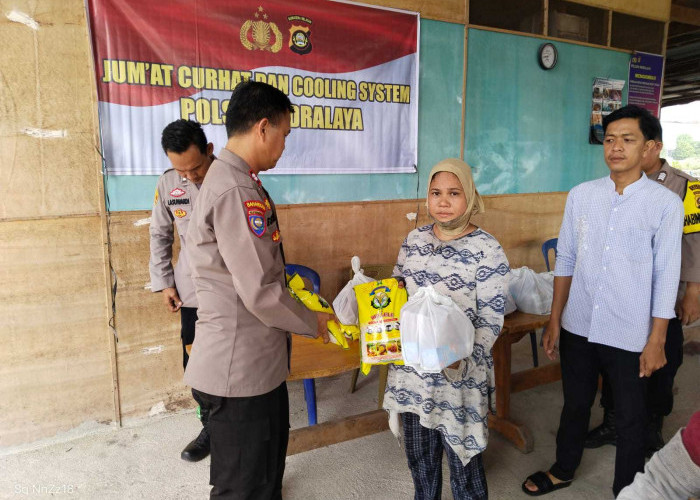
472, 270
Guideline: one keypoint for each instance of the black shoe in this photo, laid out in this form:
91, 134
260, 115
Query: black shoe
605, 433
197, 449
655, 440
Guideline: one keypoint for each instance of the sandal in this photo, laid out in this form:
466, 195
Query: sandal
544, 484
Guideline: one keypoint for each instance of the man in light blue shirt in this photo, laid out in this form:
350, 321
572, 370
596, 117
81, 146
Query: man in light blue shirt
615, 285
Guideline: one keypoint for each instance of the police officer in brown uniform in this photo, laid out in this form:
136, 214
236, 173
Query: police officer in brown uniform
240, 358
190, 155
660, 385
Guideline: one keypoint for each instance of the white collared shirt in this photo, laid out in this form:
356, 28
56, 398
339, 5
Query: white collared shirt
624, 254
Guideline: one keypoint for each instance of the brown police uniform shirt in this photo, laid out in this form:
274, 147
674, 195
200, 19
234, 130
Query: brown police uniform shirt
245, 310
678, 182
172, 205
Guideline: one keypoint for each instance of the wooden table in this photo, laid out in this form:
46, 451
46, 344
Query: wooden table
311, 358
515, 327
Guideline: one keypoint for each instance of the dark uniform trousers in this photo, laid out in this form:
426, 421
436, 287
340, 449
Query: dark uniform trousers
581, 362
188, 319
249, 437
660, 385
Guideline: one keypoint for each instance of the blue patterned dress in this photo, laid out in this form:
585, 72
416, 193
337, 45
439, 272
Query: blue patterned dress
472, 271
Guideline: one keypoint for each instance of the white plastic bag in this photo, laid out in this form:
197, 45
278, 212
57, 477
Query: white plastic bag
510, 301
435, 332
532, 291
345, 304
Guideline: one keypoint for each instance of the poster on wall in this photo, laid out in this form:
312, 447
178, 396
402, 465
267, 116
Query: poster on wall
350, 71
606, 98
645, 81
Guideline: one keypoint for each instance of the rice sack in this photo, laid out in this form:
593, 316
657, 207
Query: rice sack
379, 305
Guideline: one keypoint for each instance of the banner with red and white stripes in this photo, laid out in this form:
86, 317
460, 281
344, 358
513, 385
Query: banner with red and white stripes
351, 72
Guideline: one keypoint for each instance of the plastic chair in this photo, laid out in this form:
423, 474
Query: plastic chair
309, 383
546, 247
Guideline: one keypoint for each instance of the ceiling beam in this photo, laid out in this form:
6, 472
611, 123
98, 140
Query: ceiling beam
685, 15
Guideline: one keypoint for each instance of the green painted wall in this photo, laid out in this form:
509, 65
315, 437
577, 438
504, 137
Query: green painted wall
526, 129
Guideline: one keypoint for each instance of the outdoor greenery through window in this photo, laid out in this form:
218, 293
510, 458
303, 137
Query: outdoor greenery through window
682, 136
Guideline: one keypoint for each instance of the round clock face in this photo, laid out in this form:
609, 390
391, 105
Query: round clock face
547, 56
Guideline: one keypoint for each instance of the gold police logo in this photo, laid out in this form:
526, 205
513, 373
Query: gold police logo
300, 35
695, 188
259, 34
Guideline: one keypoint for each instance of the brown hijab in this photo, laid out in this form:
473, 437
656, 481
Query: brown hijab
475, 205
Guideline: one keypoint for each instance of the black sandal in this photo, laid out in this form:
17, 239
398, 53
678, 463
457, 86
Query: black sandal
544, 484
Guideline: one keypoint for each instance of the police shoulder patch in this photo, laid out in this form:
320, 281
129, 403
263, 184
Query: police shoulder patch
255, 214
691, 207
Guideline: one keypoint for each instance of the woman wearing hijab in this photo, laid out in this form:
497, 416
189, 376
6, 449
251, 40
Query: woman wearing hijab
448, 411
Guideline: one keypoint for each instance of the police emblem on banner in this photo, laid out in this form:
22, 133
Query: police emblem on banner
260, 34
299, 35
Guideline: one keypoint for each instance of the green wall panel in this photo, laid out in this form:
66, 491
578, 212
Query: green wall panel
526, 128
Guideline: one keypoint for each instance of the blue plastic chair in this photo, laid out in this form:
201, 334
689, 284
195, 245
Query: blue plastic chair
309, 383
546, 247
305, 272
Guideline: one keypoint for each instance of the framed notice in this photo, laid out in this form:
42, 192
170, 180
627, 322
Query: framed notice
605, 98
645, 81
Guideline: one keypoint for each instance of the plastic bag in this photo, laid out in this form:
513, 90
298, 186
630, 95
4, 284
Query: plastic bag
435, 332
532, 291
510, 301
345, 304
340, 334
379, 307
311, 300
315, 302
336, 335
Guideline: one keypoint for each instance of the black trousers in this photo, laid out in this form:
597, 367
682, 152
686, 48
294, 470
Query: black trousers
581, 362
660, 384
249, 439
188, 320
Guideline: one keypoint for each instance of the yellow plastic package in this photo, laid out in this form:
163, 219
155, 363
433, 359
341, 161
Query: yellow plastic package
342, 333
311, 300
335, 331
339, 332
379, 305
351, 332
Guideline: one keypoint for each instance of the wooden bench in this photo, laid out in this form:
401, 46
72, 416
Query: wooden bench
311, 358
